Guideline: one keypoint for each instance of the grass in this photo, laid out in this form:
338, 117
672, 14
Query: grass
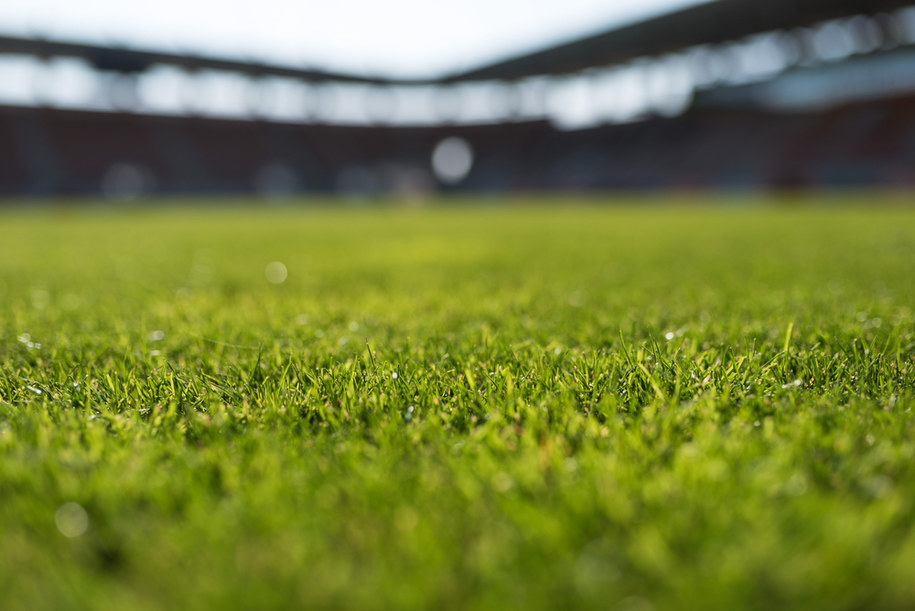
525, 406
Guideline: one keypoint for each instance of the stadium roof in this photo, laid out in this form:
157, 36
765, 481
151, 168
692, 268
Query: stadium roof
709, 23
128, 60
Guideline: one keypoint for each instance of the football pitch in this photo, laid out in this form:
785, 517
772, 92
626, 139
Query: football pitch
489, 405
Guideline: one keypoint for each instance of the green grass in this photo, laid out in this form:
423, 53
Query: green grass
549, 406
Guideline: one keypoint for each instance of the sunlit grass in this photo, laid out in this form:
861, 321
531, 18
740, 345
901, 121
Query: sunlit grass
492, 406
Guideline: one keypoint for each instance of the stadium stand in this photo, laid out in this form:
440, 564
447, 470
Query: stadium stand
69, 152
731, 135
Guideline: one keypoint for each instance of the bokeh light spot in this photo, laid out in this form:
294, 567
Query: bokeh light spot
452, 160
276, 272
71, 520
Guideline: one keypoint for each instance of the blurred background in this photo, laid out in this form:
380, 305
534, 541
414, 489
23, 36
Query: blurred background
409, 98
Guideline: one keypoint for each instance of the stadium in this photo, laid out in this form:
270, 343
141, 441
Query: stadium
619, 316
822, 90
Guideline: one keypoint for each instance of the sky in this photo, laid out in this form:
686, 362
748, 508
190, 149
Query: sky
398, 38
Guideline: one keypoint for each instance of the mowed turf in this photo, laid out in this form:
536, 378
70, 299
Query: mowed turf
493, 405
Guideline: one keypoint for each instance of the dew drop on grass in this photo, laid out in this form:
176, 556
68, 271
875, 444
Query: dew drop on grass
669, 335
26, 339
71, 520
276, 272
502, 481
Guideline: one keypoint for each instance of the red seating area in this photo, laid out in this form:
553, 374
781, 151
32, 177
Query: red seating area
47, 152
